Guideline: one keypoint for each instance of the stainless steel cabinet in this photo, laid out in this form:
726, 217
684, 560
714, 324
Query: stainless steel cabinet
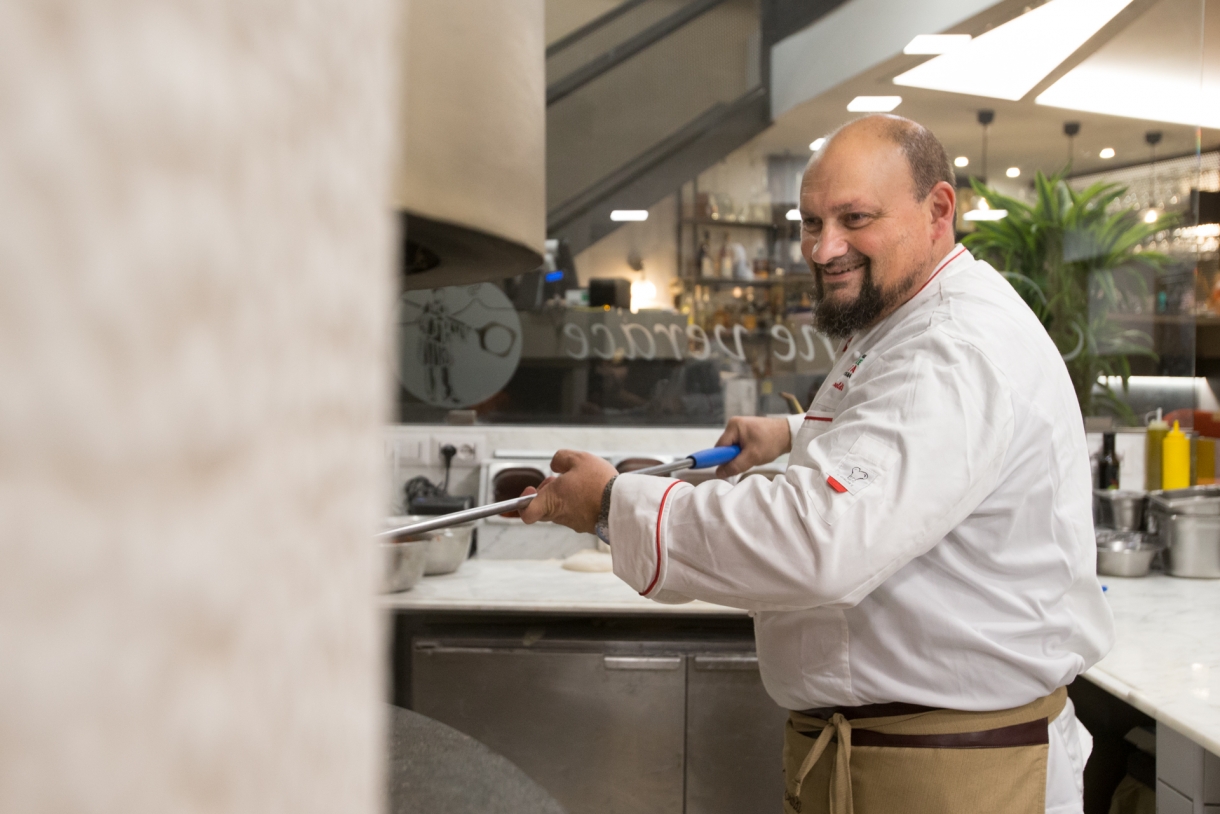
602, 732
735, 737
609, 727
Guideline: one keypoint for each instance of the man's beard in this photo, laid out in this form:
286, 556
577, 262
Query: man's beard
839, 320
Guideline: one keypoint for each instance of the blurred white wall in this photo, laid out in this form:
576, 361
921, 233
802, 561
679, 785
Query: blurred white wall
195, 277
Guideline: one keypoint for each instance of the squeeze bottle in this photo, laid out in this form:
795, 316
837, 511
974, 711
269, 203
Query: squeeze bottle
1152, 452
1175, 461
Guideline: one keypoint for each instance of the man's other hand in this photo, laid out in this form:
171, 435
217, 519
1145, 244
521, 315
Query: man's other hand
762, 440
575, 498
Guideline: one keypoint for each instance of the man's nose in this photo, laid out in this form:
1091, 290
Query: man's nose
830, 244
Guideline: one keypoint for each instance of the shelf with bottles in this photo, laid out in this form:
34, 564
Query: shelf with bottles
737, 259
754, 307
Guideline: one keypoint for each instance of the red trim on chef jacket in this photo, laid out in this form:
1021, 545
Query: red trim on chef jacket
818, 418
834, 484
942, 265
660, 511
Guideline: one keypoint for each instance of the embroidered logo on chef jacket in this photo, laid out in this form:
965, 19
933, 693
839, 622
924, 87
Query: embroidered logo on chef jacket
861, 467
853, 367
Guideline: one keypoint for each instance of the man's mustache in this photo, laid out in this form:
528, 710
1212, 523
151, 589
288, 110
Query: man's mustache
841, 264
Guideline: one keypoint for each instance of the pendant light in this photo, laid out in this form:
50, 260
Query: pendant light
1071, 130
1153, 138
986, 117
982, 210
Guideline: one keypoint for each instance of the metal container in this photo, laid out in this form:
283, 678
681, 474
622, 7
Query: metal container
402, 564
448, 548
1187, 523
1124, 553
1116, 509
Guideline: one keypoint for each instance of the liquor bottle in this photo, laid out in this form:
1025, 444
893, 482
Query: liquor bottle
725, 266
749, 317
762, 267
704, 266
1107, 464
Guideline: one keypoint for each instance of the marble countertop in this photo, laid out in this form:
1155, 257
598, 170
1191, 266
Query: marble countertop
1165, 662
530, 586
1166, 657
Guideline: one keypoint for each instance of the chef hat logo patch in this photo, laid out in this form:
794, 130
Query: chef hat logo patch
857, 474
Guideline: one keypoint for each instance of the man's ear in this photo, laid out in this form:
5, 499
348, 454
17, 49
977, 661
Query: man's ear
942, 202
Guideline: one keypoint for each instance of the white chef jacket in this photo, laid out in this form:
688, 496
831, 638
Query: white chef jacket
931, 541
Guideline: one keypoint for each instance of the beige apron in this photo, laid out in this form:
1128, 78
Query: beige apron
933, 762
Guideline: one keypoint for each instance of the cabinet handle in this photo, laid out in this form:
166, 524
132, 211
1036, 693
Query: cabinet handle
642, 662
727, 662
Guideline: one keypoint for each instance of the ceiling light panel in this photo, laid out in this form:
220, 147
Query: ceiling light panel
629, 214
936, 43
816, 144
1009, 60
874, 104
985, 214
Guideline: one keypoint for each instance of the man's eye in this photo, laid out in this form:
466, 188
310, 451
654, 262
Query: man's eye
854, 218
812, 224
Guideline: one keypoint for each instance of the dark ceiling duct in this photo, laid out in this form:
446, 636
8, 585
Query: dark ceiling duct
471, 186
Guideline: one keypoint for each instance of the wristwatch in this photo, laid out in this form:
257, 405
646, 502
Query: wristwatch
602, 528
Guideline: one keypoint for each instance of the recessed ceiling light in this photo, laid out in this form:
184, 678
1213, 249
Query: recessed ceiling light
936, 43
816, 144
1107, 152
1013, 172
793, 214
629, 214
1000, 64
874, 104
961, 161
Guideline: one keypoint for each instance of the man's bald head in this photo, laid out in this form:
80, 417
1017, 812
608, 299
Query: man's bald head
876, 205
925, 155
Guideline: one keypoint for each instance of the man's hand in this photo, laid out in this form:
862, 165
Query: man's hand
762, 440
575, 499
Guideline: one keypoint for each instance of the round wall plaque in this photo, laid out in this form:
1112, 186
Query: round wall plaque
457, 346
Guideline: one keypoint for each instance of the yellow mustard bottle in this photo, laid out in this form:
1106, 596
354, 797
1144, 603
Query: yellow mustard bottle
1153, 448
1175, 460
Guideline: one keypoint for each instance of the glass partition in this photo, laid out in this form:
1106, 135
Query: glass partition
1087, 150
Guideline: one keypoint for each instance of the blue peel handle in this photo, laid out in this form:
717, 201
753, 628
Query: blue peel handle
714, 456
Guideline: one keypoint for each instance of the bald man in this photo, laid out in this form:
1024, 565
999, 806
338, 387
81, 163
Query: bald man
922, 577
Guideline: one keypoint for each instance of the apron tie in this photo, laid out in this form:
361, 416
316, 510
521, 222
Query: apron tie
840, 778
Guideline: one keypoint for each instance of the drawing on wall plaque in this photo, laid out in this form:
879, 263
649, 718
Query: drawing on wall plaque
457, 346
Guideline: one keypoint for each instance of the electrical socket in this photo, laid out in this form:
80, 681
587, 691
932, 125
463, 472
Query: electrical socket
412, 450
470, 449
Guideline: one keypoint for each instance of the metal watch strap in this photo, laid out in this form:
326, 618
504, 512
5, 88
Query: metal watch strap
602, 528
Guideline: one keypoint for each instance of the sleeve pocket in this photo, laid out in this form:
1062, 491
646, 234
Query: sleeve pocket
864, 465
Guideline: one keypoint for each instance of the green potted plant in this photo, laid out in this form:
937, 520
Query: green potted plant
1077, 261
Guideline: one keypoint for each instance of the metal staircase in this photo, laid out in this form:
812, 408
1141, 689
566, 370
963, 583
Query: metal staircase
651, 93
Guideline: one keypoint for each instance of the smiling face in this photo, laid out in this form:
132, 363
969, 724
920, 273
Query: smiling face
869, 240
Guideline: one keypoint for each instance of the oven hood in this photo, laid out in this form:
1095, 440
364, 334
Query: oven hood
471, 180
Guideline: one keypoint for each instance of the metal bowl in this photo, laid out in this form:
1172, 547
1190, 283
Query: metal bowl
448, 548
1119, 510
402, 564
1125, 562
1124, 553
